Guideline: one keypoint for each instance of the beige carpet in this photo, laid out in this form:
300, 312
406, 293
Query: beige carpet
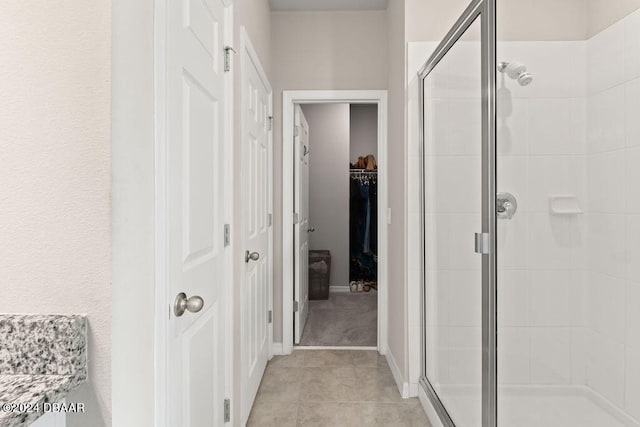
345, 319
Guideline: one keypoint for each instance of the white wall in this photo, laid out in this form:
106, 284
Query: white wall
133, 210
54, 221
429, 20
397, 302
603, 13
363, 131
329, 184
319, 51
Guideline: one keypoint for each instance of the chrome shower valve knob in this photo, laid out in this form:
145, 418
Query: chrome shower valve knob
506, 205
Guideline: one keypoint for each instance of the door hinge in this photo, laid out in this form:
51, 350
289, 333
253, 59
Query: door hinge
227, 410
227, 58
270, 317
296, 218
295, 306
296, 131
482, 243
270, 123
269, 220
227, 235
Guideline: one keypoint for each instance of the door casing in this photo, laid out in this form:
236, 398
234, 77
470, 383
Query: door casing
289, 100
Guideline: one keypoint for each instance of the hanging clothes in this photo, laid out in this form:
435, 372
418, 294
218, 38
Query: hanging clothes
363, 226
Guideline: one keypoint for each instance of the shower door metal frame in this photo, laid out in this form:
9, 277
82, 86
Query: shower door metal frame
486, 11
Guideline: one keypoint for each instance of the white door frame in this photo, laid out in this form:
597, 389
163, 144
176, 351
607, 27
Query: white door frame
161, 318
289, 99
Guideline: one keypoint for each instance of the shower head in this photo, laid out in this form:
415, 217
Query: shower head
524, 79
516, 71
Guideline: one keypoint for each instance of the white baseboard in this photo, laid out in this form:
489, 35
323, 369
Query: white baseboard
403, 387
413, 389
276, 348
434, 419
339, 289
334, 347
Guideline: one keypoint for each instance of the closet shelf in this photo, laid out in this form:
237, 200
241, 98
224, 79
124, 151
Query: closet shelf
362, 171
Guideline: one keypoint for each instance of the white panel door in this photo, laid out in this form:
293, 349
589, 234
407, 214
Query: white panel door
301, 233
256, 170
196, 263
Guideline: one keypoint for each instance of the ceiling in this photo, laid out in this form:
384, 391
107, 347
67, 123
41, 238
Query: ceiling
328, 4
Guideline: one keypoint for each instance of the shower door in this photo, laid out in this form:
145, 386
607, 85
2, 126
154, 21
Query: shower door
458, 163
458, 311
533, 142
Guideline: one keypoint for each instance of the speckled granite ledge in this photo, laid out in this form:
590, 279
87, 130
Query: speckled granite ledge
42, 359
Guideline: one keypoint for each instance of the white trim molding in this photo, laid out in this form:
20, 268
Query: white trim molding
276, 349
289, 99
403, 386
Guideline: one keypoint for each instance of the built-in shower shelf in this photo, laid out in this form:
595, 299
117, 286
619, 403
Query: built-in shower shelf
564, 204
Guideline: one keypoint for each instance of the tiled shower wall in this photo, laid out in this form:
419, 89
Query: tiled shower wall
612, 332
541, 152
569, 286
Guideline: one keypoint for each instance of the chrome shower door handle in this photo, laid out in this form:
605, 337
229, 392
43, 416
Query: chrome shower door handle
506, 205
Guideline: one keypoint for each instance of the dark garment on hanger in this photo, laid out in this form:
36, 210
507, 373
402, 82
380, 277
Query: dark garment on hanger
373, 228
363, 229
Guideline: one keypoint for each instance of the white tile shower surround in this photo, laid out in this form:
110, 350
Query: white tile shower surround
569, 287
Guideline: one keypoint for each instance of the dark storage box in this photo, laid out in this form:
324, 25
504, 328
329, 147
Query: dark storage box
319, 273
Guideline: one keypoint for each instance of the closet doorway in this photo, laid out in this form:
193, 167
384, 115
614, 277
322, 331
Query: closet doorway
334, 183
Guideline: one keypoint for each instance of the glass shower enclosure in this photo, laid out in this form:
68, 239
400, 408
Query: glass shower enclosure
530, 162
